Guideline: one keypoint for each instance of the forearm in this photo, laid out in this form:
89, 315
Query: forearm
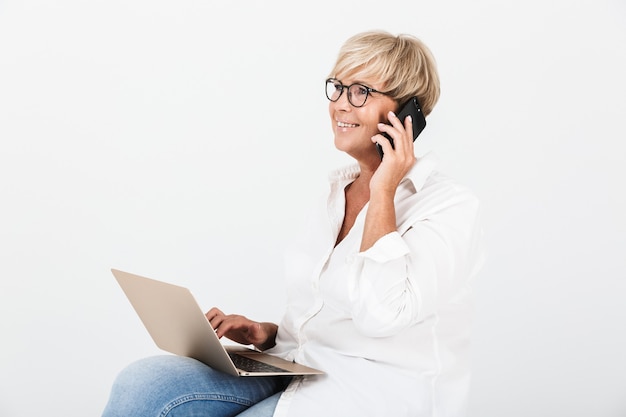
380, 219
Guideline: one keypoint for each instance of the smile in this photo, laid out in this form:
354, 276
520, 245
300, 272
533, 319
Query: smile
342, 124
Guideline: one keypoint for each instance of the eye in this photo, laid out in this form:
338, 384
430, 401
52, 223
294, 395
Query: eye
359, 90
334, 88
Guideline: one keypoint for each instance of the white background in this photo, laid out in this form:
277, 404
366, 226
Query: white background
182, 140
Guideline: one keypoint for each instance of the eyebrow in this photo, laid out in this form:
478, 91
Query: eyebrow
357, 82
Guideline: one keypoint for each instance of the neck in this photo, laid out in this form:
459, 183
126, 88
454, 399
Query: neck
367, 169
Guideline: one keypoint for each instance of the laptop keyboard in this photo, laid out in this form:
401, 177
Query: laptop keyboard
250, 365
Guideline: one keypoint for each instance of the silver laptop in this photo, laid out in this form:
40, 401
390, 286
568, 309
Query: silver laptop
177, 325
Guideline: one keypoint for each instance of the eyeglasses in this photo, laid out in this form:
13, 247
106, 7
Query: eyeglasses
357, 93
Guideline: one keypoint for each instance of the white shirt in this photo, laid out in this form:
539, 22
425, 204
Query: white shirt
390, 326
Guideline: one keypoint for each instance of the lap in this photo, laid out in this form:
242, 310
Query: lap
171, 385
264, 408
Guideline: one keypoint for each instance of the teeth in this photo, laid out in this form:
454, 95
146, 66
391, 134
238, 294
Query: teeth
342, 124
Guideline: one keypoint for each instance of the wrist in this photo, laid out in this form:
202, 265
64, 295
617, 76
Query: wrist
382, 191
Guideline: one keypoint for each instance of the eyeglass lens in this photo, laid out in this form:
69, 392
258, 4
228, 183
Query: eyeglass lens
357, 93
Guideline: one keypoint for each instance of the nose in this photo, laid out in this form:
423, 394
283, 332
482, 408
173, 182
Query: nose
343, 103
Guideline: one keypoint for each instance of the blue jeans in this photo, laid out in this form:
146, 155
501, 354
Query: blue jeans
176, 386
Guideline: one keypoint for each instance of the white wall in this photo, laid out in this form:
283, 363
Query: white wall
180, 140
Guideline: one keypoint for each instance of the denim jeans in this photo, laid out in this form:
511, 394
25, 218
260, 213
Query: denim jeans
176, 386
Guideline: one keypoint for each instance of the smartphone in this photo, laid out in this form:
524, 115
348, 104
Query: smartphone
412, 108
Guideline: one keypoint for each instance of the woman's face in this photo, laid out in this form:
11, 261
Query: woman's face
354, 127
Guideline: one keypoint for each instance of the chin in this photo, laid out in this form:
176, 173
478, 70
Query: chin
340, 144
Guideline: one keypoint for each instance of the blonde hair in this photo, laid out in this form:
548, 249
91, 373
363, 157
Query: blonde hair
405, 65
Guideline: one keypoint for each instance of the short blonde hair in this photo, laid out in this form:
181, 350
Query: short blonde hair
403, 63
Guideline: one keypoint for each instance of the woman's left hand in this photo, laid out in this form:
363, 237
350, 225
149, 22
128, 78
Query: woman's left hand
396, 162
381, 214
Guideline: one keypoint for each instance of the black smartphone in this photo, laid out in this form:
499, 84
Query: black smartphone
412, 108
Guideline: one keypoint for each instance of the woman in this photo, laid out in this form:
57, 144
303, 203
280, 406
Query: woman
379, 278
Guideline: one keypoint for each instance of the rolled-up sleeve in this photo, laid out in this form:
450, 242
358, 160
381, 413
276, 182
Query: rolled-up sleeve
385, 294
404, 278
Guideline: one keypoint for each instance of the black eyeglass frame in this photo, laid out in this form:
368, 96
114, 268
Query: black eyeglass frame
369, 90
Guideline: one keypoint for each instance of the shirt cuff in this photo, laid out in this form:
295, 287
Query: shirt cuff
389, 247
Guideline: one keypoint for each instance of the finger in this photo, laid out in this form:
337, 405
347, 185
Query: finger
403, 139
216, 318
383, 142
394, 120
214, 312
396, 127
225, 324
408, 123
218, 324
408, 129
392, 127
231, 323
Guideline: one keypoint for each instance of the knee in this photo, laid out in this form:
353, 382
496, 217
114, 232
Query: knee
142, 387
144, 373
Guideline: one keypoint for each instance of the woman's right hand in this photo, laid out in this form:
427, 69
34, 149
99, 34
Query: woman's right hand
243, 330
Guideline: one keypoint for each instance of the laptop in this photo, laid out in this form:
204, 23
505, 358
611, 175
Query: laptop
177, 325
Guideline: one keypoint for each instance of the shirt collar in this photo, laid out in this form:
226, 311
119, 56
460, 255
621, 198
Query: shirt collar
421, 170
417, 175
